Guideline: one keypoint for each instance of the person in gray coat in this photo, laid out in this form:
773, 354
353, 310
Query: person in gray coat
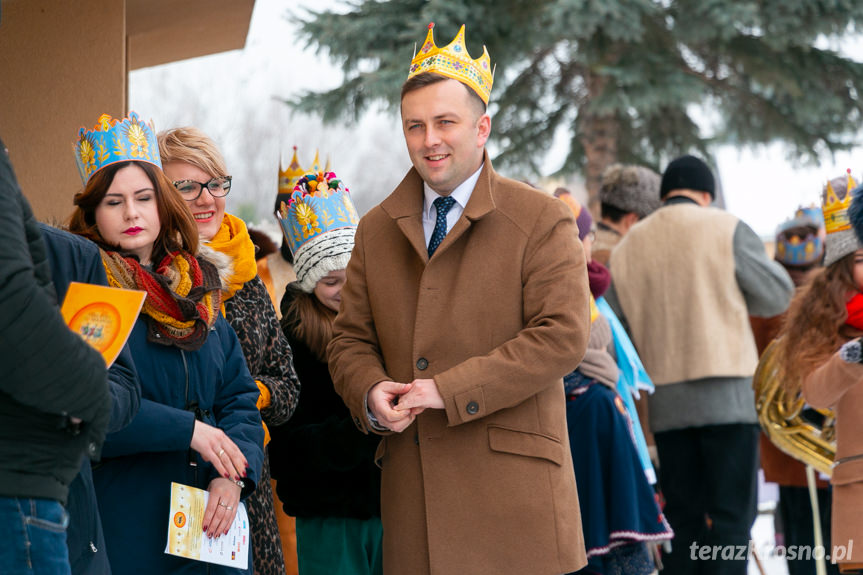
685, 281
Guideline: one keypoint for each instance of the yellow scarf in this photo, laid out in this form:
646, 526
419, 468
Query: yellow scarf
233, 240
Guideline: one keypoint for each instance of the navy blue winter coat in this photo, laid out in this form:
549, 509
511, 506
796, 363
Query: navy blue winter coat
73, 258
133, 481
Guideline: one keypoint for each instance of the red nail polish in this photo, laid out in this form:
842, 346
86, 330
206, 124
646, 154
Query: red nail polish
205, 527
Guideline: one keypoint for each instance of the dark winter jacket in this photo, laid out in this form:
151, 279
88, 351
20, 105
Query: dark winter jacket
74, 258
323, 465
48, 374
133, 482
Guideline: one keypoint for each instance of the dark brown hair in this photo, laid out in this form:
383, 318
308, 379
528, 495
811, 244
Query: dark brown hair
814, 326
177, 226
308, 320
429, 78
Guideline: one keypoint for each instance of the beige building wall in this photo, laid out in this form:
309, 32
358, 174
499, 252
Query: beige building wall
61, 64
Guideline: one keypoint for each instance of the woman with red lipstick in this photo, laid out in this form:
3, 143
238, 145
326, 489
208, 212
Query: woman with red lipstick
196, 167
198, 423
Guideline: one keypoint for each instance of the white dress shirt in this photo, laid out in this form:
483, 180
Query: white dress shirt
461, 195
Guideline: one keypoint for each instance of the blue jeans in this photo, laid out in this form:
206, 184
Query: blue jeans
33, 536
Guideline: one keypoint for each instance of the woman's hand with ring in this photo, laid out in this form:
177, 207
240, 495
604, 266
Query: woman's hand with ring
221, 507
218, 449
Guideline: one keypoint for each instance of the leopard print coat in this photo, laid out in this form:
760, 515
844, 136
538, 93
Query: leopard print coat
268, 356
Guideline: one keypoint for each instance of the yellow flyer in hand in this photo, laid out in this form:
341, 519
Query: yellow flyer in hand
186, 536
103, 316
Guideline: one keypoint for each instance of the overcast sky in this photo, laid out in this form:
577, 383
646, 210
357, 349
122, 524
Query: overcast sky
234, 97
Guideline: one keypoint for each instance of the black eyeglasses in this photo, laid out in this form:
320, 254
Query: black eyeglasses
192, 190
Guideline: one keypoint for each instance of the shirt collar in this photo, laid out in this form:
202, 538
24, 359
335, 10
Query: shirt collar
461, 194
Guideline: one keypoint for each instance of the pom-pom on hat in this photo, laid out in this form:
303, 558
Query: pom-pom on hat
319, 221
583, 219
835, 202
633, 189
687, 173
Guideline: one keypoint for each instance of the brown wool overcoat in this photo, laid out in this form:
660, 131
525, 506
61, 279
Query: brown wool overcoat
496, 317
839, 385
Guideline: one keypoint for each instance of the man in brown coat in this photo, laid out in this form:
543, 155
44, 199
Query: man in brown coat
466, 302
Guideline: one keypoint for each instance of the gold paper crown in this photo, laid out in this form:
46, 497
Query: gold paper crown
835, 209
454, 62
289, 176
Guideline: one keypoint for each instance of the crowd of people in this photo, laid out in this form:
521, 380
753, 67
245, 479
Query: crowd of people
453, 383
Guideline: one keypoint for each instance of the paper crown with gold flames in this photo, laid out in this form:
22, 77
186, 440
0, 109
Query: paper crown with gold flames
319, 221
453, 61
112, 141
797, 249
835, 208
288, 177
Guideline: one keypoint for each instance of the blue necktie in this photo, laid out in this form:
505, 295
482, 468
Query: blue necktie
442, 205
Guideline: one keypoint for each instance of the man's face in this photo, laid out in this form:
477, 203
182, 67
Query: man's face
445, 133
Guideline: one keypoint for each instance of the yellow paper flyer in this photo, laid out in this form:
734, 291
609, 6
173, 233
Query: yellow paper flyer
103, 316
186, 535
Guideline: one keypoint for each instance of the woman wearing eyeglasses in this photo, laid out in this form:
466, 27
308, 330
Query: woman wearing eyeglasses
196, 167
198, 424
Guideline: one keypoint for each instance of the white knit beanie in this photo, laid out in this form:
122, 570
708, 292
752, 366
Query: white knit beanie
323, 254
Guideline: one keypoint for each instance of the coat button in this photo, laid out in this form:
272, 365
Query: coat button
422, 363
472, 408
91, 448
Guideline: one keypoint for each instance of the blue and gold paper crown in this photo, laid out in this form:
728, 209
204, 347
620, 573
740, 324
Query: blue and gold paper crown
319, 221
454, 62
111, 141
796, 249
812, 212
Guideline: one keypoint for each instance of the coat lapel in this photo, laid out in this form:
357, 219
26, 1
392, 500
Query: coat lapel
405, 205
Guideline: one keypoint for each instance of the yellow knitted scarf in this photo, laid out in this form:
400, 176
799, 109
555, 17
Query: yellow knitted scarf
233, 240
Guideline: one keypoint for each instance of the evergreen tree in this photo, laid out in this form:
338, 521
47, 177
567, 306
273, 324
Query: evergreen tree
628, 80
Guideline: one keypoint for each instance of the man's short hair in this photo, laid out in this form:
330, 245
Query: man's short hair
429, 78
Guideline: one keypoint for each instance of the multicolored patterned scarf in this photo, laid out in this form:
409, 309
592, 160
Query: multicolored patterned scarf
183, 295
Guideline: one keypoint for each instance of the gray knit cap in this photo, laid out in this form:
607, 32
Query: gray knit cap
630, 188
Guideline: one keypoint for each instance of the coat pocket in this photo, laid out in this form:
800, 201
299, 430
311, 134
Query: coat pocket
848, 472
527, 443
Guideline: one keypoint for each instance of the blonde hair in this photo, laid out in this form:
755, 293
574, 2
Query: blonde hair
194, 147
